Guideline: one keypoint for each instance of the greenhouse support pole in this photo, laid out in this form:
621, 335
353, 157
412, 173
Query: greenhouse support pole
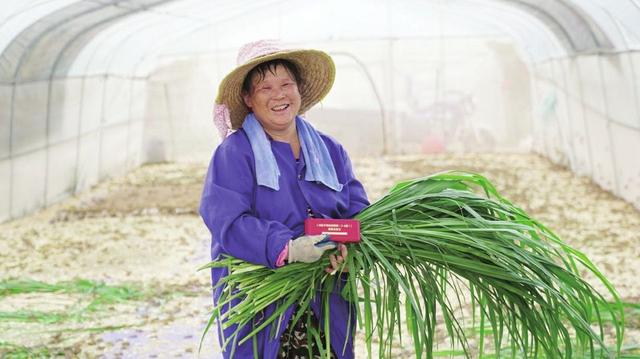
581, 95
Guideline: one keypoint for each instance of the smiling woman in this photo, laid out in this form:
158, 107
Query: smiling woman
264, 180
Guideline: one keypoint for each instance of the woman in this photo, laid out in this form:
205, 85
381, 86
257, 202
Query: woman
270, 174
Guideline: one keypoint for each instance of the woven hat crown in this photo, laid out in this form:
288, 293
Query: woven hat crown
257, 49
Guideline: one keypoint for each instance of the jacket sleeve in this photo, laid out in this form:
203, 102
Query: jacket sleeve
357, 196
228, 209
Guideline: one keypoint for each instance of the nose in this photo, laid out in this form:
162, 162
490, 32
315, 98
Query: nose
278, 92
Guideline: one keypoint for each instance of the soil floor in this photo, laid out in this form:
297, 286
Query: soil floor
142, 232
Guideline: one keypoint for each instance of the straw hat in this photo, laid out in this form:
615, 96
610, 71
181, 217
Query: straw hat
317, 73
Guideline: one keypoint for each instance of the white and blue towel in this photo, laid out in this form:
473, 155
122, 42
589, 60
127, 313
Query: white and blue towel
318, 161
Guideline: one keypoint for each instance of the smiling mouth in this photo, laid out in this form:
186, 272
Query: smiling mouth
280, 108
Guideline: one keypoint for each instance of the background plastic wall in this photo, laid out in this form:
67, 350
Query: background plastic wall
179, 103
410, 95
5, 190
5, 121
578, 135
94, 89
65, 135
600, 98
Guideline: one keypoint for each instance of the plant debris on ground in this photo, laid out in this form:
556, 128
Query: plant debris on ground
142, 230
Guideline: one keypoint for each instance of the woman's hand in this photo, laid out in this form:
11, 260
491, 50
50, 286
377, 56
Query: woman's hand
308, 249
338, 260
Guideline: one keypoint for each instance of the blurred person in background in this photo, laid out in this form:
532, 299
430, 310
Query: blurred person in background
271, 172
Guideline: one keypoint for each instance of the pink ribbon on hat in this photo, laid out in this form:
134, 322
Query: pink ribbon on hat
222, 120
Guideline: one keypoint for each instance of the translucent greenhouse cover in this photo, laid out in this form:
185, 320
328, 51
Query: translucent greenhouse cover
195, 25
174, 27
79, 78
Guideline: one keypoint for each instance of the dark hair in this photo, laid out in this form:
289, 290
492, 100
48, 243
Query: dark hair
261, 71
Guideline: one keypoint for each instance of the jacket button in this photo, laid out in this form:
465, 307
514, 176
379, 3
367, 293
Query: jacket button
299, 176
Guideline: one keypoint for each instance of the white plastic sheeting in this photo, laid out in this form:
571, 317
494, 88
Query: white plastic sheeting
587, 116
92, 88
618, 19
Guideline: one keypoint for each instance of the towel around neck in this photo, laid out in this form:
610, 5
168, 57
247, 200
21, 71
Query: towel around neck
319, 167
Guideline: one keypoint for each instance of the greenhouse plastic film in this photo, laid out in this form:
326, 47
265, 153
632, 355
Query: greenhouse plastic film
619, 90
578, 135
86, 173
5, 190
113, 150
5, 121
627, 163
63, 110
61, 171
92, 104
29, 120
28, 182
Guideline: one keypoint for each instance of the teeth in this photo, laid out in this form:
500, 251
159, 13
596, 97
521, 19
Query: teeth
280, 108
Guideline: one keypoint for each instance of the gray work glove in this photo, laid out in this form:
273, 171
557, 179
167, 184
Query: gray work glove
307, 249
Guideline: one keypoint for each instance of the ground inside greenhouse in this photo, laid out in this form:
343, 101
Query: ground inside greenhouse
113, 271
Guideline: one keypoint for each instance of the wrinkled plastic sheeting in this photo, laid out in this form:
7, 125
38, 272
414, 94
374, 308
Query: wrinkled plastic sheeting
596, 130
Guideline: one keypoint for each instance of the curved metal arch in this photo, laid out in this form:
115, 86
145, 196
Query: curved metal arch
37, 35
58, 20
385, 144
180, 33
615, 20
188, 32
199, 23
513, 12
88, 30
360, 64
148, 23
12, 77
581, 23
139, 26
196, 29
25, 9
546, 10
59, 17
80, 34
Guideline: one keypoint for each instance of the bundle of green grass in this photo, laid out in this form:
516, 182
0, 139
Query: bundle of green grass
446, 251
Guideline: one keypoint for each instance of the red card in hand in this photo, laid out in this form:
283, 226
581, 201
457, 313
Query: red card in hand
340, 230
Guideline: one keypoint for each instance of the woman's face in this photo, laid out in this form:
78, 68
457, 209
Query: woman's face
274, 100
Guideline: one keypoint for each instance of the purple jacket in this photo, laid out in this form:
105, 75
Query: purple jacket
254, 223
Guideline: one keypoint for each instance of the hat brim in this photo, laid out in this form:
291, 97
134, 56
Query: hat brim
317, 74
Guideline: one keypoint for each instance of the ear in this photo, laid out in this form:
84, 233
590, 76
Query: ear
247, 99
